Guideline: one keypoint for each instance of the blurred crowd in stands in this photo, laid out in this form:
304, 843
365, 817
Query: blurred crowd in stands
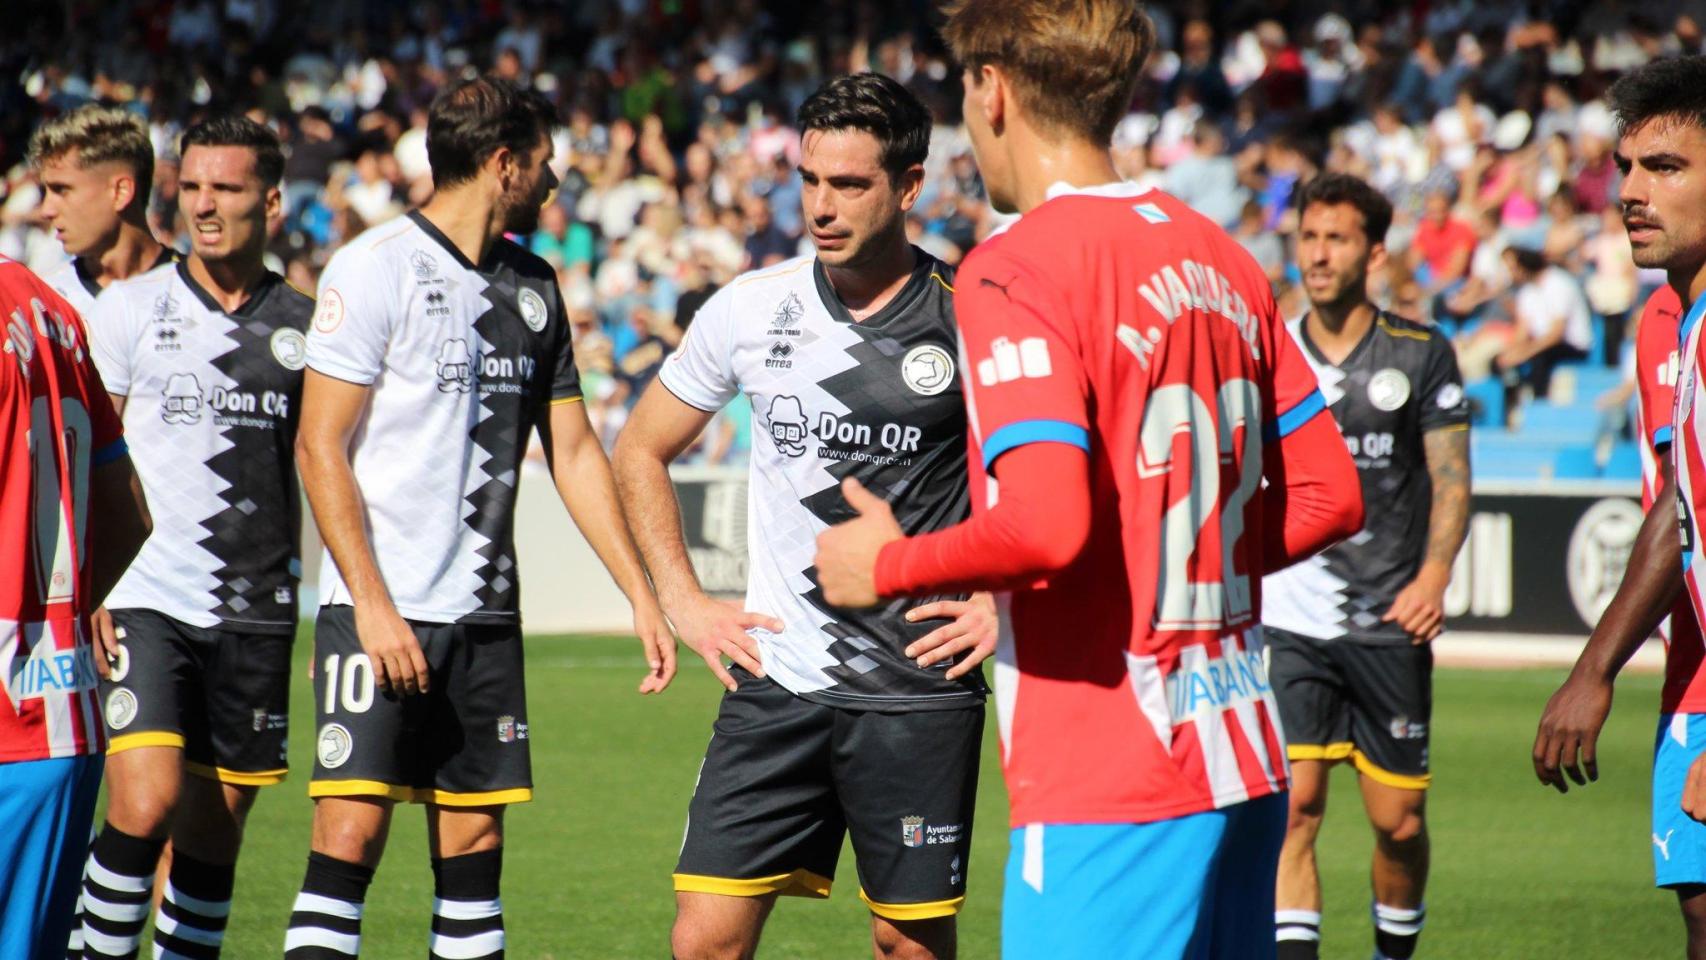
1483, 121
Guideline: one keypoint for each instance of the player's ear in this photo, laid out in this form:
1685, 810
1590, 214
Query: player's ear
1377, 258
274, 202
995, 95
911, 184
123, 187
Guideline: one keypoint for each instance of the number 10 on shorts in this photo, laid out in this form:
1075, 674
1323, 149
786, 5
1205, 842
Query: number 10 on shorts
351, 677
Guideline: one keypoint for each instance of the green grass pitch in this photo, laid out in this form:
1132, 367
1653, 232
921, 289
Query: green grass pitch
1518, 871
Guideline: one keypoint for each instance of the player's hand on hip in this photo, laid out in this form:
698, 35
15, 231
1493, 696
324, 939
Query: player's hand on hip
973, 632
1419, 610
390, 644
1569, 732
847, 553
107, 650
1694, 790
714, 629
658, 643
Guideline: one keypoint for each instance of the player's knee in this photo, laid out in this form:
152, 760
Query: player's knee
698, 941
931, 939
1305, 812
142, 808
353, 840
1401, 827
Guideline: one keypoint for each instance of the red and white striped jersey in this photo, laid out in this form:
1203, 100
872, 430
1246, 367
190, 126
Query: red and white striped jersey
1131, 687
55, 424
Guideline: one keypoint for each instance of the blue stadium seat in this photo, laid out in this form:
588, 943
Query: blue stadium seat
1576, 463
1543, 420
1592, 382
1488, 398
1498, 455
1625, 463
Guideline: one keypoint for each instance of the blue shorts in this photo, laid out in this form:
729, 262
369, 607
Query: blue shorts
46, 807
1679, 841
1191, 888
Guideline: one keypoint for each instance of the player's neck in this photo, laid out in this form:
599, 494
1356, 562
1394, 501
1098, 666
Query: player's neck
1689, 286
229, 282
466, 220
132, 250
1039, 164
869, 287
1336, 329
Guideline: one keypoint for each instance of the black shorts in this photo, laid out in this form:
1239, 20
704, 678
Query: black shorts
1369, 703
785, 778
463, 743
220, 695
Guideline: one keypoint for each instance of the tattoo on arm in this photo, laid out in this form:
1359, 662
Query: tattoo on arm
1447, 451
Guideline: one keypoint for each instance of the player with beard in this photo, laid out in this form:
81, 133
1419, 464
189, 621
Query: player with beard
96, 167
436, 348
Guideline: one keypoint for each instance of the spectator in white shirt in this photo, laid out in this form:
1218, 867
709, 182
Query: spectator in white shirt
1552, 323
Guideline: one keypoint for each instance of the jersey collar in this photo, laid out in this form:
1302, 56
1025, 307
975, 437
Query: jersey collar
924, 266
438, 237
1688, 321
249, 305
1119, 189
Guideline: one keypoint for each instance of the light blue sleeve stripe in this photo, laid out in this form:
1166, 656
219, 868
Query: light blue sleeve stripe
1033, 431
1663, 435
1297, 416
109, 453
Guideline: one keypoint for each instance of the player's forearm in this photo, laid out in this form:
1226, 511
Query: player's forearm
119, 526
1447, 453
654, 517
329, 482
588, 489
1652, 581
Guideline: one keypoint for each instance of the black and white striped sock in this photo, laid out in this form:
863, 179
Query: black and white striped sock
191, 924
74, 947
325, 923
467, 914
117, 888
1297, 934
1396, 930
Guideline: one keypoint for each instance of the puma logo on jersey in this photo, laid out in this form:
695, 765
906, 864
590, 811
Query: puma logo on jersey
986, 282
1009, 361
1664, 845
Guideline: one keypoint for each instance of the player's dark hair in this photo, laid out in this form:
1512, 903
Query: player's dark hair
1333, 189
1673, 89
236, 130
472, 120
877, 105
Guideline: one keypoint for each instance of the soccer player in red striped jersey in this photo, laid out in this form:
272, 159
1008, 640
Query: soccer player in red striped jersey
1661, 115
1129, 388
71, 518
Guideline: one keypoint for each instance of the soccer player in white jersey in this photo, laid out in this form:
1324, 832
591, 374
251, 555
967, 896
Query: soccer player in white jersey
203, 359
1661, 150
848, 358
96, 166
437, 347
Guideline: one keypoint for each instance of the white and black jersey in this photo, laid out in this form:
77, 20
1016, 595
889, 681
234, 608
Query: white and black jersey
462, 361
1399, 383
210, 414
879, 400
77, 285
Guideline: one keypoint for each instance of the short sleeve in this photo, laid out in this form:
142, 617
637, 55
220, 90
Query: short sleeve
114, 348
565, 376
353, 318
1655, 345
701, 370
1442, 403
1024, 376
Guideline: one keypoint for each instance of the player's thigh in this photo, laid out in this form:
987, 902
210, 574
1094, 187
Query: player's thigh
208, 822
1397, 813
713, 926
764, 818
1390, 687
367, 742
1308, 794
1236, 922
1114, 891
1679, 841
246, 702
47, 806
157, 670
910, 818
453, 831
1310, 692
935, 938
478, 738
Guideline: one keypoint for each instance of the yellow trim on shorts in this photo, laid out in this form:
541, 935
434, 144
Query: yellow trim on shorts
800, 883
490, 798
148, 738
238, 778
360, 788
1313, 751
1402, 781
913, 911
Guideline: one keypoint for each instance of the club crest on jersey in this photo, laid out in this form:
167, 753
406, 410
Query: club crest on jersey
532, 307
788, 427
927, 369
455, 367
912, 831
788, 314
426, 267
121, 708
1388, 389
510, 730
182, 403
290, 348
334, 746
1450, 397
